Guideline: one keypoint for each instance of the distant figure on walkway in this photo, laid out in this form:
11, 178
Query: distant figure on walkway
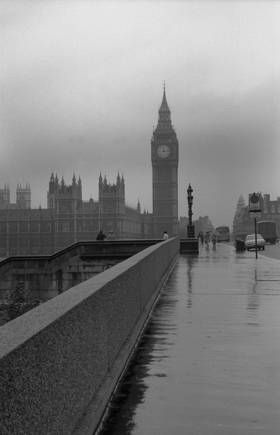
100, 236
214, 241
201, 237
207, 239
165, 235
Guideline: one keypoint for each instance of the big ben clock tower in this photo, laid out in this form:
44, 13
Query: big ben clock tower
164, 150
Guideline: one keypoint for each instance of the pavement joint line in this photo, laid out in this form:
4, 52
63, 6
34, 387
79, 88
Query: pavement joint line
235, 294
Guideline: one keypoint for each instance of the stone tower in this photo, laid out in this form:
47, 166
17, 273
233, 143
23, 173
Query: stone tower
63, 198
111, 205
5, 197
23, 196
164, 153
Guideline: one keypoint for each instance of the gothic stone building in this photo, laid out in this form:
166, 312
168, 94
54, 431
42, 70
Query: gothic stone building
68, 218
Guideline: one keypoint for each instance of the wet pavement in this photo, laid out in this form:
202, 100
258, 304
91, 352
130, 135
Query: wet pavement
272, 251
209, 361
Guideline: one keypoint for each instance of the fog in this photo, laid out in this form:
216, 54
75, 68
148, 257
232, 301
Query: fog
82, 82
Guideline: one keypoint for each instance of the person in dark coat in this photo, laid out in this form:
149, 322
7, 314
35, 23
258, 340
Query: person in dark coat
100, 236
201, 237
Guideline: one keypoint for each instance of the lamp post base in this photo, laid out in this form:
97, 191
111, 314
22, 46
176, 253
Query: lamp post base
189, 246
190, 231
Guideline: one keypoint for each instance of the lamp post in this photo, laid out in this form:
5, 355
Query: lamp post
254, 208
190, 228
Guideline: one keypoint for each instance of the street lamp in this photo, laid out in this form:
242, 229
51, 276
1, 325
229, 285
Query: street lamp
190, 228
255, 208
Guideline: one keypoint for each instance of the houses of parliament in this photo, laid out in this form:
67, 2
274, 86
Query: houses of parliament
69, 219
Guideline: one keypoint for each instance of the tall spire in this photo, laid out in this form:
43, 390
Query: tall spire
164, 119
74, 179
118, 179
164, 106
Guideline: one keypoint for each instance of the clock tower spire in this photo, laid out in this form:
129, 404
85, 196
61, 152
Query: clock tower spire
164, 153
164, 112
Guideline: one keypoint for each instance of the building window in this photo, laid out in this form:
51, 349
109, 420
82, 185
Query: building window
46, 227
34, 227
65, 227
23, 227
13, 227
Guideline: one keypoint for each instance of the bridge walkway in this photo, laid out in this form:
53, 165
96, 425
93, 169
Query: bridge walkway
209, 361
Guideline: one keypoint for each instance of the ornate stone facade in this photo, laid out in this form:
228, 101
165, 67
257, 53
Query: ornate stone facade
164, 150
68, 219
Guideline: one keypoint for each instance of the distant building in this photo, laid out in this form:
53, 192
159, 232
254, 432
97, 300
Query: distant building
183, 224
5, 197
23, 197
243, 222
67, 218
202, 224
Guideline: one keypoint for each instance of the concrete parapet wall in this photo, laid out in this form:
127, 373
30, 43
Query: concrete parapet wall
45, 276
60, 362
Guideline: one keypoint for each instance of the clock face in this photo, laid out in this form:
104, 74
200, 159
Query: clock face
163, 151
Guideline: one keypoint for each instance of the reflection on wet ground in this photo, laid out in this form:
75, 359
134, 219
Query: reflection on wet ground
209, 361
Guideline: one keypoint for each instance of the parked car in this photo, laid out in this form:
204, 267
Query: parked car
251, 244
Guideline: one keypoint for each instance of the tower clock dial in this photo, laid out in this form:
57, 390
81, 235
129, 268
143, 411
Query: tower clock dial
163, 151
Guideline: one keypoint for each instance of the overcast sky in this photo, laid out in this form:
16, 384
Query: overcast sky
81, 85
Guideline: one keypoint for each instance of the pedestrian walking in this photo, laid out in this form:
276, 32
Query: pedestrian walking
207, 239
165, 235
214, 241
